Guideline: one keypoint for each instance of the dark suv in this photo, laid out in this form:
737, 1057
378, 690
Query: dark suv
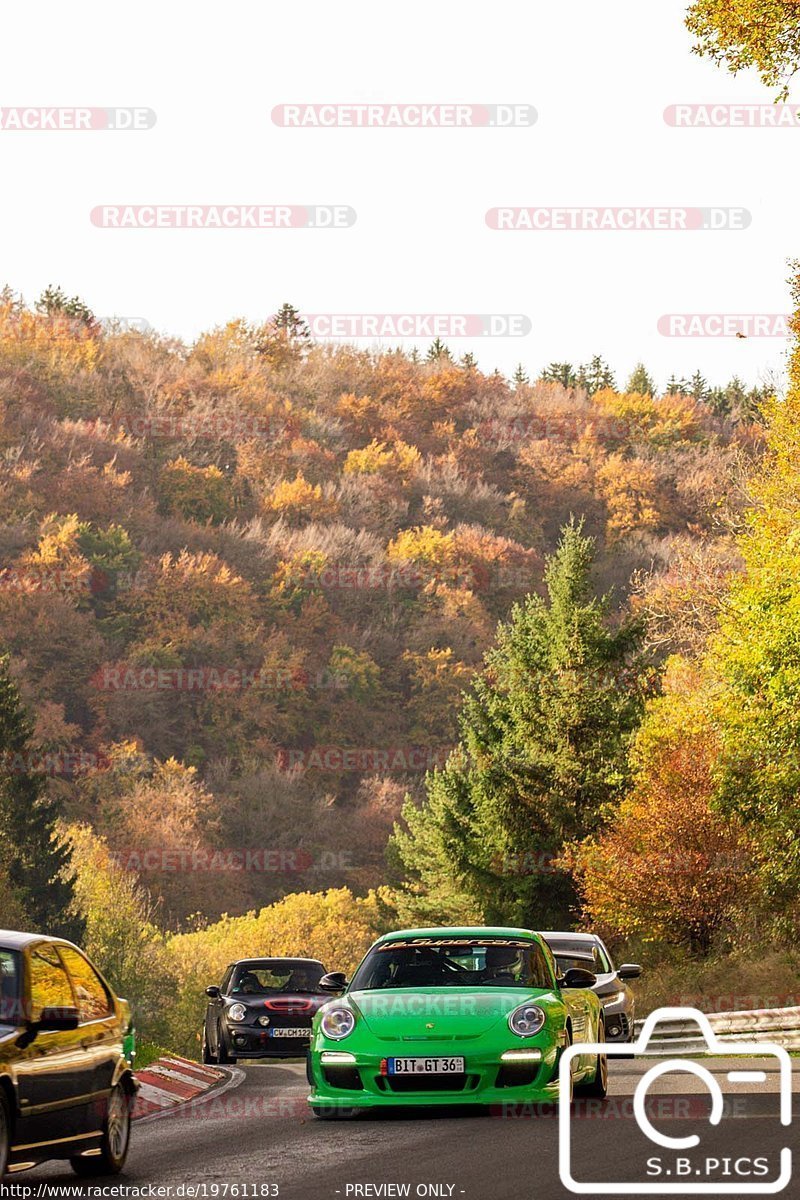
263, 1009
66, 1088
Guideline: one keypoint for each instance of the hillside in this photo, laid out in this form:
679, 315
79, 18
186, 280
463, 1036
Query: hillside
244, 582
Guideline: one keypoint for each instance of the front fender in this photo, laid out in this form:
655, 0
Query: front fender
124, 1075
584, 1012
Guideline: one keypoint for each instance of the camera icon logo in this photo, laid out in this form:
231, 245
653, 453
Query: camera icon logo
687, 1175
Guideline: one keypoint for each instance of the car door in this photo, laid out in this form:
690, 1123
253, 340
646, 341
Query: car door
53, 1069
99, 1030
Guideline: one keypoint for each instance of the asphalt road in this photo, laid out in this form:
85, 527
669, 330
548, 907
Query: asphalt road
258, 1132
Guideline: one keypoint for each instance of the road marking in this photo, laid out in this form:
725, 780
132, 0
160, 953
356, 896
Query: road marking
234, 1078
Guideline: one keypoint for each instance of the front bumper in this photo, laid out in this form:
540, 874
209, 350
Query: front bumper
619, 1024
247, 1041
486, 1079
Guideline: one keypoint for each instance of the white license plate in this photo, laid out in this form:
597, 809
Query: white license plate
304, 1033
425, 1066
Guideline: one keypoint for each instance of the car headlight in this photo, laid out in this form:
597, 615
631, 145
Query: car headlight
612, 998
337, 1023
237, 1012
526, 1020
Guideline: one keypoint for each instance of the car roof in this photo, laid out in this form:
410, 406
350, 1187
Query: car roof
555, 936
460, 931
15, 939
275, 958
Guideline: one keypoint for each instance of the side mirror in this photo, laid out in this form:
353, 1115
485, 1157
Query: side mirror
53, 1019
212, 991
629, 971
576, 977
334, 981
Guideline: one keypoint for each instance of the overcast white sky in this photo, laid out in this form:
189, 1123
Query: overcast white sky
599, 74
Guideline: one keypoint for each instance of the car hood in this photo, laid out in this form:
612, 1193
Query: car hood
439, 1013
8, 1042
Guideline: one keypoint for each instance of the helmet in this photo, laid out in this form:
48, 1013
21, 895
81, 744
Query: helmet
501, 956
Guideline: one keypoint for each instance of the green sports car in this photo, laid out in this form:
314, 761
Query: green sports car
453, 1016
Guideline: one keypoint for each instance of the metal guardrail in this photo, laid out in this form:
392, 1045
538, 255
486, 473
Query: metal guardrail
780, 1026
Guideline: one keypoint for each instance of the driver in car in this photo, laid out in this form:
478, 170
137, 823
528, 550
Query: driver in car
298, 981
499, 963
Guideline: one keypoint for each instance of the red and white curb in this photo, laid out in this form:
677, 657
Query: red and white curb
174, 1081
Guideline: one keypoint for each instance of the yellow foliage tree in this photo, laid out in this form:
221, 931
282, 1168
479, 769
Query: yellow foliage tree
629, 488
299, 501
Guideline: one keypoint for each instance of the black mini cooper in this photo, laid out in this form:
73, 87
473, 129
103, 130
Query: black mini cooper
263, 1009
66, 1087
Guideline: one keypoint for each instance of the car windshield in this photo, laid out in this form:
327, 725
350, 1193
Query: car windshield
459, 962
585, 955
269, 976
9, 988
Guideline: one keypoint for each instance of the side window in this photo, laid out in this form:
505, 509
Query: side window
90, 994
50, 986
226, 979
9, 988
605, 958
540, 968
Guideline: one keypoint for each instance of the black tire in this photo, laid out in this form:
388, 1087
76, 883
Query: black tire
116, 1138
208, 1057
598, 1088
323, 1113
222, 1053
5, 1133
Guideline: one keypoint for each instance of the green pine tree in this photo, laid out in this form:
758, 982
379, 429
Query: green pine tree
595, 375
37, 865
289, 321
641, 381
563, 373
542, 758
698, 387
54, 302
520, 377
284, 339
437, 350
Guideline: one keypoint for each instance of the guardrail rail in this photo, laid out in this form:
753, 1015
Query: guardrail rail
780, 1026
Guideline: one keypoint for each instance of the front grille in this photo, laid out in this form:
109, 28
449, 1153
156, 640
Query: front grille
430, 1083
